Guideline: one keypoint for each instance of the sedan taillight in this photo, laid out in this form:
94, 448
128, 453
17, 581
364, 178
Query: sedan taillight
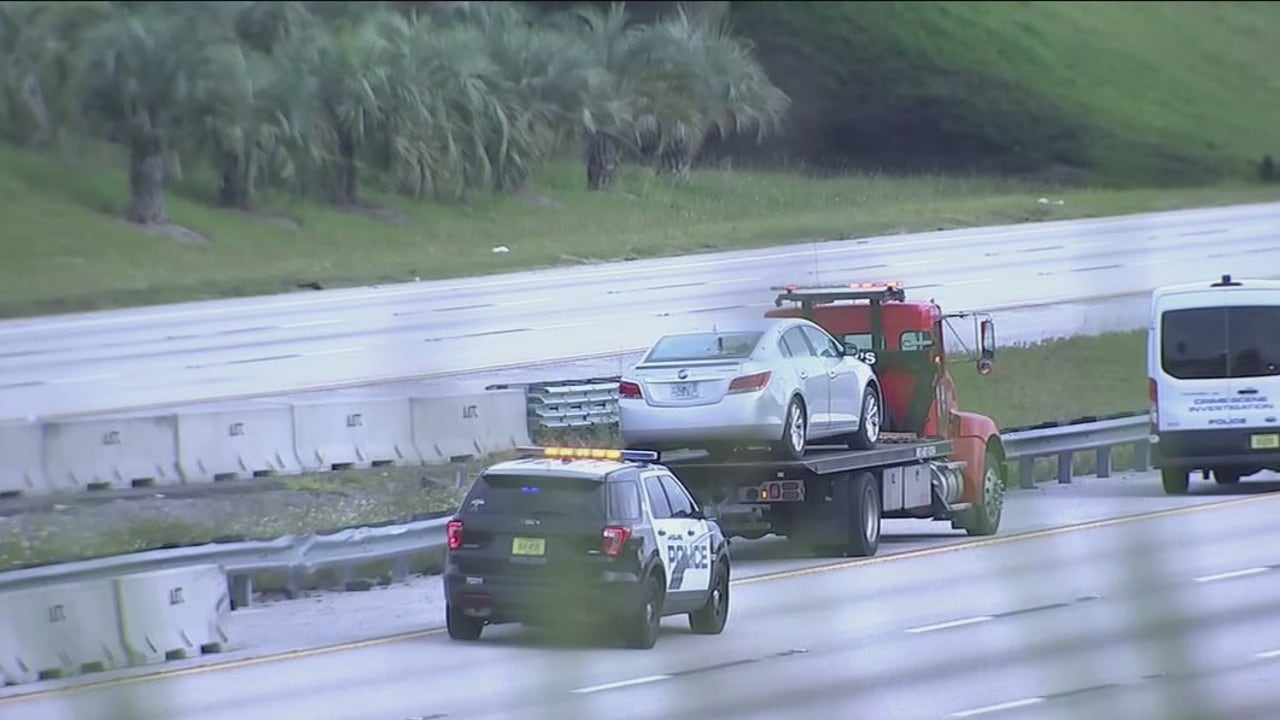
749, 383
628, 389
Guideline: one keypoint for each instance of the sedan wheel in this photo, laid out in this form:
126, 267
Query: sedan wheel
794, 431
869, 422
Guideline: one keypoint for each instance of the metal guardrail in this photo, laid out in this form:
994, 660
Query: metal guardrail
569, 404
295, 556
1064, 440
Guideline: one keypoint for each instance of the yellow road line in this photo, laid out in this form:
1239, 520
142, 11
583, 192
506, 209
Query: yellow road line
782, 575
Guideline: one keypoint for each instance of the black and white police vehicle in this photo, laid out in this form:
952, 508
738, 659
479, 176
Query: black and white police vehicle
575, 533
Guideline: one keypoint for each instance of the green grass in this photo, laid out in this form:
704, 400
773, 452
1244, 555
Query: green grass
61, 249
1141, 92
1058, 380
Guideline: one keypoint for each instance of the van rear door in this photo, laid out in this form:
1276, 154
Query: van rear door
1219, 355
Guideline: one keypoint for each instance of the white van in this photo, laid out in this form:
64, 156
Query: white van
1213, 360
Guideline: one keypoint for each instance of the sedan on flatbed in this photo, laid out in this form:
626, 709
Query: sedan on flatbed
784, 382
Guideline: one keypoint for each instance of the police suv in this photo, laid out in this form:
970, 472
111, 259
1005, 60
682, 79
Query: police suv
567, 533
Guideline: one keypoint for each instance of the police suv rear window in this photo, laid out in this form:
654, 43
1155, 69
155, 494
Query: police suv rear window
540, 494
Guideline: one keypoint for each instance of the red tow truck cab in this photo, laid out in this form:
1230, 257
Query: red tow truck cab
905, 343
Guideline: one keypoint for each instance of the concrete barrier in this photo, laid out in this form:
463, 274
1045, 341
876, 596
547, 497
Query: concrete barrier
59, 631
22, 460
234, 443
112, 453
460, 426
355, 433
173, 614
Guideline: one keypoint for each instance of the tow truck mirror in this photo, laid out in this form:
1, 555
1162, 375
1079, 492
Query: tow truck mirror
986, 346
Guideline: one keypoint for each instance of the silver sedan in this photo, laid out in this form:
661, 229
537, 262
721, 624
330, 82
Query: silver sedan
784, 382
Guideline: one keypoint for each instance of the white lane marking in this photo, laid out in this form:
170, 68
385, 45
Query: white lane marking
974, 281
532, 301
564, 325
332, 352
1232, 574
82, 378
997, 708
951, 624
1269, 654
621, 684
309, 323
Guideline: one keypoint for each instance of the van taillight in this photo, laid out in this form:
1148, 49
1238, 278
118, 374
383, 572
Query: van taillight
453, 533
615, 538
1153, 392
628, 389
749, 383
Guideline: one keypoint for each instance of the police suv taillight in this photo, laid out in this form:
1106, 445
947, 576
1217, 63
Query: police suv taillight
453, 533
615, 538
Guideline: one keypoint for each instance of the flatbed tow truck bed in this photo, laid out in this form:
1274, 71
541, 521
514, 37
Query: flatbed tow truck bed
833, 499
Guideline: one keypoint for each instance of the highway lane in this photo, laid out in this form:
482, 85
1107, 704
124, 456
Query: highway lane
188, 353
1170, 617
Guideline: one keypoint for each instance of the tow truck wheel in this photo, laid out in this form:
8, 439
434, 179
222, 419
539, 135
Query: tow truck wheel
462, 627
865, 525
795, 431
984, 518
1175, 480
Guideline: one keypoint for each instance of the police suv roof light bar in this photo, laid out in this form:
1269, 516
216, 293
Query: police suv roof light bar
810, 295
582, 453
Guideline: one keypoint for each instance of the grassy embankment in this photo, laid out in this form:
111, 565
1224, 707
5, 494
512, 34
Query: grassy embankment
61, 251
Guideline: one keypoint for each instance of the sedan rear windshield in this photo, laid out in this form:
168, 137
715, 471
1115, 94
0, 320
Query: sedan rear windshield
536, 495
704, 346
1215, 343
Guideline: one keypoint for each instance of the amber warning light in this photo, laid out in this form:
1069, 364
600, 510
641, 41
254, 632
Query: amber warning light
582, 453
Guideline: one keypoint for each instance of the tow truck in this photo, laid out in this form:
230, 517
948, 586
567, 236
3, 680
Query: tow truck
933, 461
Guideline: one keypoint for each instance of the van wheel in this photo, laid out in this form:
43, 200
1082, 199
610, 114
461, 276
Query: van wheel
462, 627
1175, 480
1227, 476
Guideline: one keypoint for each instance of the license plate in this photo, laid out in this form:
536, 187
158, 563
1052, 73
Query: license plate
1265, 442
684, 390
528, 546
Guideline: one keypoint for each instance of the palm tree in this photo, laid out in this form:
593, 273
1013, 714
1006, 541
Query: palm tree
143, 70
536, 74
37, 42
350, 69
611, 93
709, 81
254, 119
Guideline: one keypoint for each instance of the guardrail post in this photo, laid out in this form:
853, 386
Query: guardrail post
1142, 456
400, 569
1104, 462
1064, 468
1026, 473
